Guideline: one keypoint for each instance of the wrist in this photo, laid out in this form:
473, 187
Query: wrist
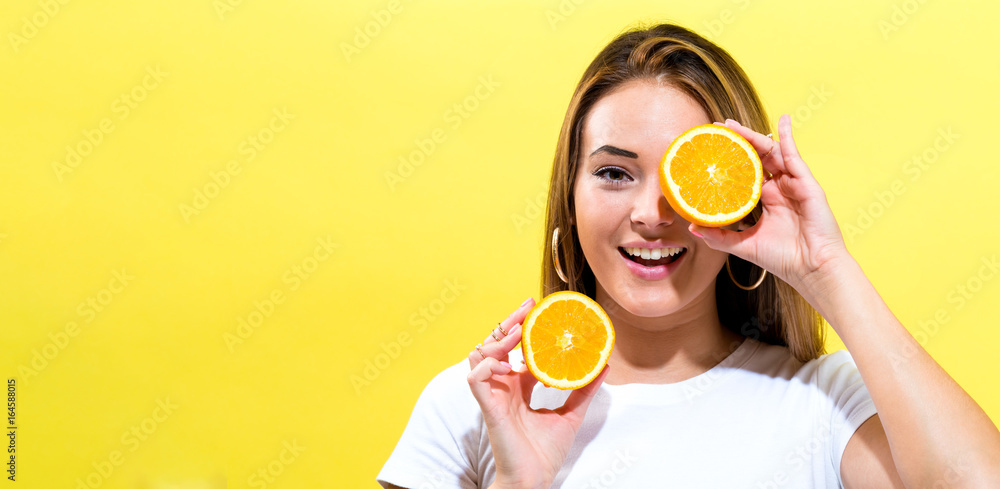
821, 267
823, 286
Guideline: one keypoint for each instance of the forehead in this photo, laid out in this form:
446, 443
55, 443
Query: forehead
642, 116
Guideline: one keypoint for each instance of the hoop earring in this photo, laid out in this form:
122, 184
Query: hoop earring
763, 273
555, 256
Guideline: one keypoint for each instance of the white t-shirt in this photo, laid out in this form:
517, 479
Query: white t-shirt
758, 419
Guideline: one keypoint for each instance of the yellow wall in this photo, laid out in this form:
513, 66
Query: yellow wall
122, 290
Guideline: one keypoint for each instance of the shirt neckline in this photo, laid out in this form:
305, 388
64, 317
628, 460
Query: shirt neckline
686, 390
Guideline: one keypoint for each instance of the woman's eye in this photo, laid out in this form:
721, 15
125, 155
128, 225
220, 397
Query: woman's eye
613, 174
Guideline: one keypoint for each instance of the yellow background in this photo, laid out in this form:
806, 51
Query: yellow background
893, 74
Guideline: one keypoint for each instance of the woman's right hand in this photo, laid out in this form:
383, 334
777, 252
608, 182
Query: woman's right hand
529, 446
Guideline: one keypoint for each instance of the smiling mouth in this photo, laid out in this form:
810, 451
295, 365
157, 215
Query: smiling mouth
645, 256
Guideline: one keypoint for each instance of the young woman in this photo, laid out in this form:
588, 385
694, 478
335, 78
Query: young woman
718, 376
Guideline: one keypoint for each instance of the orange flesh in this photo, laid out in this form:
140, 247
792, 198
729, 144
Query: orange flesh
567, 339
714, 174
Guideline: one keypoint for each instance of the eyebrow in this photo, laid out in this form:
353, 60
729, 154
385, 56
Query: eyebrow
607, 148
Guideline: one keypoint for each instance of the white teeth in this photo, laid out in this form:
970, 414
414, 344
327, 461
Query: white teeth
653, 253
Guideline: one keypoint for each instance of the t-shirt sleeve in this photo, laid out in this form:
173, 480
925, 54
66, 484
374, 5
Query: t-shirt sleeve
440, 445
851, 405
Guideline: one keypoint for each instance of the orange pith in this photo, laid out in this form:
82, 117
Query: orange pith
566, 340
711, 175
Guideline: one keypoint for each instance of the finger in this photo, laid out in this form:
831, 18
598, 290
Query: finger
497, 349
723, 239
479, 379
772, 162
789, 151
477, 355
516, 317
490, 347
528, 382
495, 334
579, 400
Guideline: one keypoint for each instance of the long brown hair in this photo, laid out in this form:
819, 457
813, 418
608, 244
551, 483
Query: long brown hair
774, 313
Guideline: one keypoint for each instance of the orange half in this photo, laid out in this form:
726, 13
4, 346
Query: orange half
566, 340
711, 175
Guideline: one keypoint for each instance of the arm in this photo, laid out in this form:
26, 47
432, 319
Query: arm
935, 431
867, 459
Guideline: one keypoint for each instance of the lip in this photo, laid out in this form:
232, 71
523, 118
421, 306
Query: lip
651, 245
658, 272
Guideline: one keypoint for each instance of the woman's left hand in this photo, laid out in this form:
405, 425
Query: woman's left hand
797, 234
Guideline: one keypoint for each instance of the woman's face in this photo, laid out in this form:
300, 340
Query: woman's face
619, 207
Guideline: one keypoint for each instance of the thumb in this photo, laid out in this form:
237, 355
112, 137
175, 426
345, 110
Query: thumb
579, 400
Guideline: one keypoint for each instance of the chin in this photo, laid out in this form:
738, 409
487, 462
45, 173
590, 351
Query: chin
647, 304
652, 310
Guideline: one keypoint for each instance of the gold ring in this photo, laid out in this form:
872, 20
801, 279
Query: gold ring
479, 348
772, 146
501, 329
494, 335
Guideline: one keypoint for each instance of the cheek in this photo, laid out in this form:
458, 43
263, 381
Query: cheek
598, 214
597, 220
711, 260
707, 264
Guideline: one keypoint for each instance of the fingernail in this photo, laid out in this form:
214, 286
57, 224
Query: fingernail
516, 329
526, 301
505, 364
696, 233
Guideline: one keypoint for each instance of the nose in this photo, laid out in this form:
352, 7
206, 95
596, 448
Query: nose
651, 208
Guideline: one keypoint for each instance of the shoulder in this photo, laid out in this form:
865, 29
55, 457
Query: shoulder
444, 438
828, 371
832, 379
449, 379
448, 392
